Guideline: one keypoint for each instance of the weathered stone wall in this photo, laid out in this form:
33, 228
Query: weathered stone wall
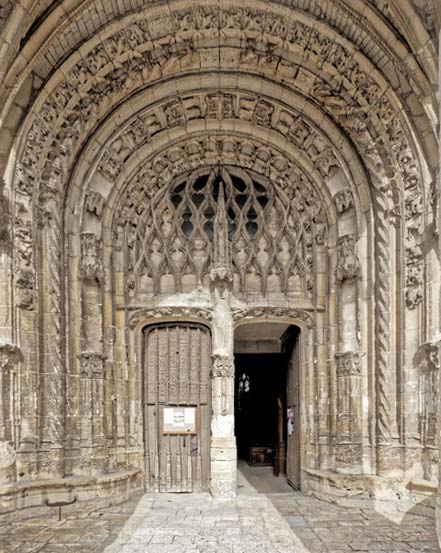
331, 115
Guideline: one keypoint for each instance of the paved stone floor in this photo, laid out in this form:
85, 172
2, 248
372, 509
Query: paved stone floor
258, 521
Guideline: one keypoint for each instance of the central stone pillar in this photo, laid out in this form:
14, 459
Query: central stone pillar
223, 441
223, 452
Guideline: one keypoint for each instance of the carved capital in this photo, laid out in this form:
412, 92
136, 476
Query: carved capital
91, 364
348, 363
223, 366
348, 264
91, 257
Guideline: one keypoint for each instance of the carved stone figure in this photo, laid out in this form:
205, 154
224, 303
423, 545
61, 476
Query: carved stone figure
348, 264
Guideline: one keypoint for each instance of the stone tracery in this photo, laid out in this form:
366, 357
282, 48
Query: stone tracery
133, 210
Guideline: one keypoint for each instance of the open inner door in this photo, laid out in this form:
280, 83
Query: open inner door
267, 400
291, 349
177, 407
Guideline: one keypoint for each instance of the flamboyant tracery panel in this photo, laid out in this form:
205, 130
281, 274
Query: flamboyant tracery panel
271, 233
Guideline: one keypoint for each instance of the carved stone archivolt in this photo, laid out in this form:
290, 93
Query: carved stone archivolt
214, 205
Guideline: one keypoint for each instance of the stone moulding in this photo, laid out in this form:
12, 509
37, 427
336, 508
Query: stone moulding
268, 312
168, 313
115, 487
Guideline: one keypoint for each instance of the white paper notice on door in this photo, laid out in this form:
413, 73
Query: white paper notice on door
179, 420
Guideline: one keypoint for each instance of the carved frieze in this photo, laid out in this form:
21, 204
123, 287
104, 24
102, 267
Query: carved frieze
91, 257
171, 312
266, 312
348, 264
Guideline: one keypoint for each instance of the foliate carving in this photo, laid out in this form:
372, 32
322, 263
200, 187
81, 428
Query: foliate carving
348, 363
348, 264
91, 364
94, 203
272, 313
223, 366
141, 315
343, 200
91, 257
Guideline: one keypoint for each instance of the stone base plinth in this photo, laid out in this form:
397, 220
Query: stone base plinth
223, 467
115, 487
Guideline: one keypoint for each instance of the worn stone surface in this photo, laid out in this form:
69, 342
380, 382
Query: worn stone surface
285, 521
217, 164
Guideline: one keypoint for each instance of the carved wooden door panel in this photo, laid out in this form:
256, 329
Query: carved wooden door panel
177, 364
293, 410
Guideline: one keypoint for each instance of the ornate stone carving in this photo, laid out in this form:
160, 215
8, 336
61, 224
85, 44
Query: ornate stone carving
221, 272
266, 312
348, 264
223, 366
91, 257
91, 364
168, 313
94, 203
348, 363
182, 214
343, 200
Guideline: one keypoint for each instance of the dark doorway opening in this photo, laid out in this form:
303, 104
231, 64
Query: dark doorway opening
260, 401
266, 399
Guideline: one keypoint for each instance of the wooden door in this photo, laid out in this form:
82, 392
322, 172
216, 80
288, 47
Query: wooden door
292, 350
177, 364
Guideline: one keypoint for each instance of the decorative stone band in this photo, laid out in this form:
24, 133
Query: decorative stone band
10, 354
223, 366
268, 312
348, 363
91, 364
166, 312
